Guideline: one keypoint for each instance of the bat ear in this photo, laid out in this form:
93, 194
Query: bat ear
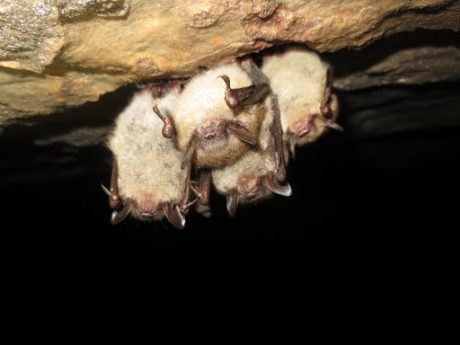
331, 124
119, 216
241, 133
232, 203
276, 188
174, 216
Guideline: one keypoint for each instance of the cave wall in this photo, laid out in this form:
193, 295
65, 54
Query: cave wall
62, 53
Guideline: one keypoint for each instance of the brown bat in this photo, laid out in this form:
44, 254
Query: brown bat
258, 172
303, 84
256, 175
147, 180
218, 116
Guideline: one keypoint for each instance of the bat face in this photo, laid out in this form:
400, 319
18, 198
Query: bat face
250, 179
302, 83
146, 207
218, 116
147, 180
309, 127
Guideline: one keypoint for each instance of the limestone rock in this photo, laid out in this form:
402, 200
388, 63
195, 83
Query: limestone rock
60, 53
406, 59
24, 94
30, 34
70, 9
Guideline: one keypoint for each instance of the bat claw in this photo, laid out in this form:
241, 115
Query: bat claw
186, 207
114, 199
106, 190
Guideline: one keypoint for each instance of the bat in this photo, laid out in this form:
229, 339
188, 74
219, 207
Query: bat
255, 176
303, 84
147, 179
217, 117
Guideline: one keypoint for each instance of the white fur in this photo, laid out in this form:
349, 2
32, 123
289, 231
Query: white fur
201, 102
254, 163
148, 163
298, 78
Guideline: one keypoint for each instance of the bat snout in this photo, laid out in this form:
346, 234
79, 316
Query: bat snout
147, 206
212, 130
302, 127
250, 187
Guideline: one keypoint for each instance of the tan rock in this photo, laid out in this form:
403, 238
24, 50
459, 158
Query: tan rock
30, 34
64, 53
25, 94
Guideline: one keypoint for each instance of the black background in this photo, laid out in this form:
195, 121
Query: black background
362, 251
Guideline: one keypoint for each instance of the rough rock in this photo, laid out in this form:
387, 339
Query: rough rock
30, 34
31, 92
56, 54
71, 9
405, 59
411, 66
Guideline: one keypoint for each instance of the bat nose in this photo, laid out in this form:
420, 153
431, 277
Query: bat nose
250, 187
212, 130
146, 206
301, 127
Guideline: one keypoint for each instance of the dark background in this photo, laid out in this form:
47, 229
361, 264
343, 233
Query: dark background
365, 250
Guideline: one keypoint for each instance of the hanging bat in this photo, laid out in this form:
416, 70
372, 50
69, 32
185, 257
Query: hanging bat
218, 115
255, 176
258, 172
303, 84
147, 180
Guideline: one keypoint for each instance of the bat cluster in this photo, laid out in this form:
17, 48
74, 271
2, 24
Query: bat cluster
234, 126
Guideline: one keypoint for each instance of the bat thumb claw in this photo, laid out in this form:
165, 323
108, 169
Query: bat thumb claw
106, 190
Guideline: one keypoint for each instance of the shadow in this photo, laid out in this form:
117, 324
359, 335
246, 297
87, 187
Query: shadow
348, 61
22, 160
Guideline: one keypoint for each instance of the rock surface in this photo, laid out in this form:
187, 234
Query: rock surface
406, 59
61, 53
